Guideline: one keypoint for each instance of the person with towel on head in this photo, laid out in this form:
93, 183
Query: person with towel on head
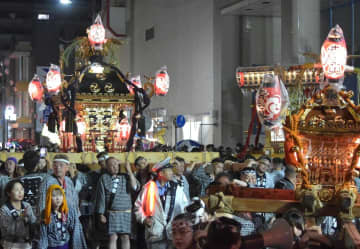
157, 204
60, 167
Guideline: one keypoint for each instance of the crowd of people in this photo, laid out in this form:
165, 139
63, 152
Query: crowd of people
115, 204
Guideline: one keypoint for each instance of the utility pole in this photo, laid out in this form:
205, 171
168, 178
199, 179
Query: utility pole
3, 103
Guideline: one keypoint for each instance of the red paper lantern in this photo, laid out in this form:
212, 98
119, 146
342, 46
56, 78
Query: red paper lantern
96, 33
124, 129
239, 77
53, 79
36, 89
137, 82
271, 101
162, 82
334, 54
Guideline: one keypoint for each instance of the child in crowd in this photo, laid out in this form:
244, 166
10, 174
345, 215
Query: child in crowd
16, 218
60, 228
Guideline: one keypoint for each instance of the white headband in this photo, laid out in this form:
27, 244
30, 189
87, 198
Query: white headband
103, 158
61, 160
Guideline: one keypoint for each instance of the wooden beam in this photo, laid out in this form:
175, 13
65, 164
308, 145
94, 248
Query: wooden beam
279, 206
254, 193
259, 200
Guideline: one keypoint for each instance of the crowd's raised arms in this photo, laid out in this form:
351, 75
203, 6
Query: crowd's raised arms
140, 206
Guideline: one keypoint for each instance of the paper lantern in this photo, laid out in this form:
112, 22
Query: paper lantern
162, 82
334, 54
136, 81
124, 129
239, 77
96, 33
36, 90
150, 199
271, 101
53, 79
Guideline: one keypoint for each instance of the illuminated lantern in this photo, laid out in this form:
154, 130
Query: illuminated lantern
53, 79
334, 54
96, 34
162, 82
124, 129
271, 101
240, 77
150, 198
36, 89
137, 82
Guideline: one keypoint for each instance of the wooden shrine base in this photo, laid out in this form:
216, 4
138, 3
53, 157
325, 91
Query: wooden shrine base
261, 200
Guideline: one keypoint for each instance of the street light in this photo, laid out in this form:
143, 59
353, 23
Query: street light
66, 2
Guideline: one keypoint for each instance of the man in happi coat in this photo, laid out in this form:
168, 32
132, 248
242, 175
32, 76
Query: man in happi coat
113, 202
158, 203
60, 167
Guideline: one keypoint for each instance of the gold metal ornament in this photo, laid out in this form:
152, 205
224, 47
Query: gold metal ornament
109, 88
94, 87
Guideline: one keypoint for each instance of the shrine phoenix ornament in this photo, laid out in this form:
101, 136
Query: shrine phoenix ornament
271, 101
96, 34
53, 79
162, 82
334, 54
36, 90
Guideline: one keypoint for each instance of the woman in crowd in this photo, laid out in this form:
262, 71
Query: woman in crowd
60, 227
143, 174
7, 173
43, 165
16, 218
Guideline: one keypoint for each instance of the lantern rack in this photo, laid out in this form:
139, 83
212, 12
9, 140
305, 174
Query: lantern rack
251, 77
